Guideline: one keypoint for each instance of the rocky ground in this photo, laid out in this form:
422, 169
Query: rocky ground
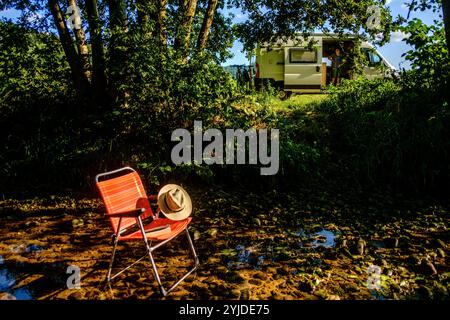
306, 244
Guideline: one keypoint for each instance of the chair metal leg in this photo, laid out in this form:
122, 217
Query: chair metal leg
109, 277
111, 262
150, 249
191, 246
165, 292
155, 272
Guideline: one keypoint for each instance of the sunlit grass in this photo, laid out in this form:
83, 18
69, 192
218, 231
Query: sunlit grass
296, 101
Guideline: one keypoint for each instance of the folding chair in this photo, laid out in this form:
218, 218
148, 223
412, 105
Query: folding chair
128, 207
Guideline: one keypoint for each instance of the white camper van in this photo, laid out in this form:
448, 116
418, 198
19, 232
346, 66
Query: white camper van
297, 66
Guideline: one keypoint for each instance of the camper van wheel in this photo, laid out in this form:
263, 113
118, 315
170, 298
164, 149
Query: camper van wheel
283, 95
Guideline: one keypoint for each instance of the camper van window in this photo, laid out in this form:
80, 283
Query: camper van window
375, 59
302, 56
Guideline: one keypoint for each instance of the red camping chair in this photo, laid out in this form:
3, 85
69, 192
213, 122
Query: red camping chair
128, 207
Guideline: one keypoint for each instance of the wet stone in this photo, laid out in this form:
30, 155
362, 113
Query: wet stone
272, 270
284, 270
77, 295
440, 243
360, 247
221, 270
7, 296
391, 242
235, 277
306, 286
77, 223
428, 267
94, 294
245, 295
260, 275
255, 282
425, 292
212, 232
277, 296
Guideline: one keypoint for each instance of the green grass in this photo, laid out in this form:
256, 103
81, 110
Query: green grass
295, 102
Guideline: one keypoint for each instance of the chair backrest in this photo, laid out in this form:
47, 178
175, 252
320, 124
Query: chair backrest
123, 193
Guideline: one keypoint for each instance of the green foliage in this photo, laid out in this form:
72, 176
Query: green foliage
429, 57
385, 132
270, 20
382, 132
31, 65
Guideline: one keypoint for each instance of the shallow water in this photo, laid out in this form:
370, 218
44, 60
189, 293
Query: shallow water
7, 283
377, 244
8, 278
33, 248
323, 238
247, 257
329, 242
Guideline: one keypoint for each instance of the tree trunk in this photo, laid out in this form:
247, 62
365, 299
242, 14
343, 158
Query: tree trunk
187, 12
80, 37
162, 14
98, 53
117, 51
446, 14
206, 25
80, 81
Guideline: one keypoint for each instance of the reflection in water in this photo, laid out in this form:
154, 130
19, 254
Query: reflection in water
378, 295
7, 282
323, 238
377, 244
33, 248
246, 257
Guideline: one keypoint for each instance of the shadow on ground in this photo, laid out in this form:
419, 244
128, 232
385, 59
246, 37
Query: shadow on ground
308, 244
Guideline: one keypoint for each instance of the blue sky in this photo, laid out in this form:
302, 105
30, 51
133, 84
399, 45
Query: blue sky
392, 51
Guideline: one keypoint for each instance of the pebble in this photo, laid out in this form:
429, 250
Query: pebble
361, 247
236, 278
75, 296
212, 232
245, 295
260, 275
255, 282
428, 267
256, 221
235, 293
305, 286
7, 296
440, 243
284, 270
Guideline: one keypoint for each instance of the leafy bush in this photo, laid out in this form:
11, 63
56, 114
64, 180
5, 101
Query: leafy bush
387, 133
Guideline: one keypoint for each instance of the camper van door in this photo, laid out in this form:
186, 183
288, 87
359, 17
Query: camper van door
303, 67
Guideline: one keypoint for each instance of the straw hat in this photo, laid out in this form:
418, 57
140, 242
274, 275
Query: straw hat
174, 202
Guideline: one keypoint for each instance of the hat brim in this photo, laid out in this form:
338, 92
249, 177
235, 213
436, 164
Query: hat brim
178, 215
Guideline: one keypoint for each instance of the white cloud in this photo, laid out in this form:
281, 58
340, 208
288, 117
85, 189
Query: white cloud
398, 36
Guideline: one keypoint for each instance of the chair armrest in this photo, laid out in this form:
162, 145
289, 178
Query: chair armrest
128, 214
